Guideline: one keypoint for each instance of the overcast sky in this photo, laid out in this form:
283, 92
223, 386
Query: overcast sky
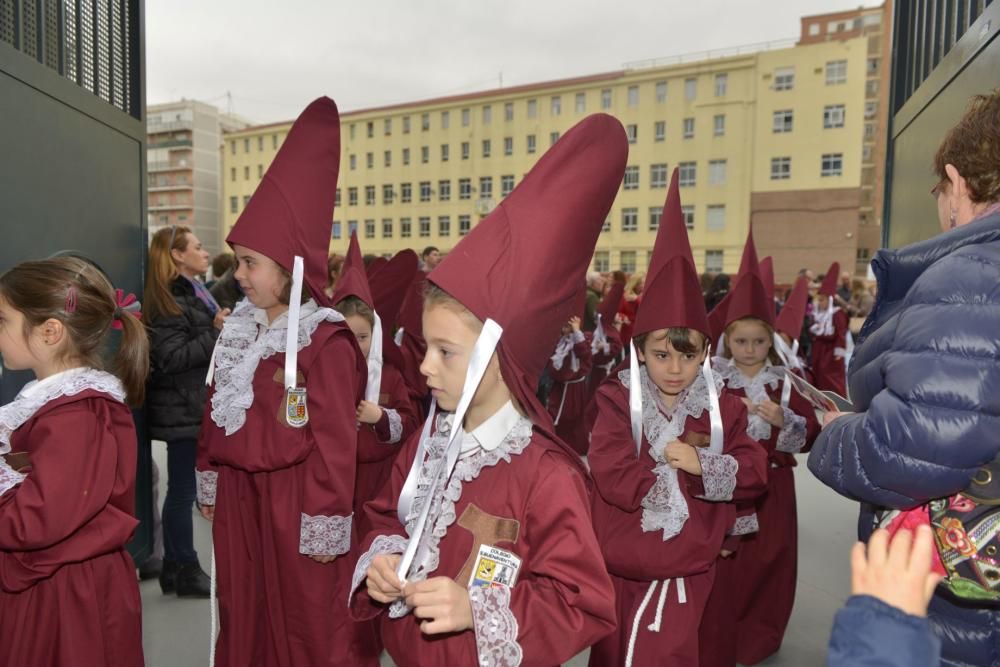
274, 57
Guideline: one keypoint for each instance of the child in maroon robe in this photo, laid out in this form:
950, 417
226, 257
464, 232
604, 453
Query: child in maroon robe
754, 591
278, 450
569, 367
482, 551
669, 457
68, 591
829, 337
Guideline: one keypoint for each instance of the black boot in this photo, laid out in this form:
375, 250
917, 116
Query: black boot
150, 569
192, 582
168, 577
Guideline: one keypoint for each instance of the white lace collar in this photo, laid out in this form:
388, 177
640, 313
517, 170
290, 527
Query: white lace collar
491, 433
755, 388
564, 348
245, 340
38, 393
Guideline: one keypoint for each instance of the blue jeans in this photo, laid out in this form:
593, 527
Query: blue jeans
178, 526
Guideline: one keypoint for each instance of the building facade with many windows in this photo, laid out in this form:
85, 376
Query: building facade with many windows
765, 134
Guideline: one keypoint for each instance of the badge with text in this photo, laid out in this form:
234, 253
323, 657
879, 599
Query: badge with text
296, 412
494, 568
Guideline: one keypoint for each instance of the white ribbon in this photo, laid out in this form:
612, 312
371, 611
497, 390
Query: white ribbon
790, 358
479, 360
599, 343
292, 334
374, 386
398, 338
635, 397
716, 440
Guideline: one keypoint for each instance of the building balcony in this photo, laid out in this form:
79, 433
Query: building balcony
170, 143
169, 188
184, 206
168, 166
172, 126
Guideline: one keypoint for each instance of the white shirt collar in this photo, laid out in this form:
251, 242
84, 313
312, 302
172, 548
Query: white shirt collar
492, 432
281, 321
37, 385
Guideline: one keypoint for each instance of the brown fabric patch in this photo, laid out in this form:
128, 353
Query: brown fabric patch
697, 439
486, 529
279, 377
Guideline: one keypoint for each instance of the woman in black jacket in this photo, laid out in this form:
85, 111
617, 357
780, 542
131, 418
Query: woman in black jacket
184, 321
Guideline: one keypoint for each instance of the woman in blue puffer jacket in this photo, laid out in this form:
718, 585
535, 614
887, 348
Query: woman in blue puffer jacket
925, 376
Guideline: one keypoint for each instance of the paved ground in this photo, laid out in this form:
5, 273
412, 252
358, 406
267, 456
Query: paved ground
176, 631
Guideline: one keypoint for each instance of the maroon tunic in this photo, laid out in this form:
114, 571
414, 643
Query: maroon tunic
282, 493
534, 504
750, 607
642, 563
68, 591
570, 394
829, 370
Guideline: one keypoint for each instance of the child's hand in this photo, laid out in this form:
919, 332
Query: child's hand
383, 584
220, 318
323, 560
726, 553
207, 511
771, 412
441, 604
899, 573
574, 324
368, 413
682, 456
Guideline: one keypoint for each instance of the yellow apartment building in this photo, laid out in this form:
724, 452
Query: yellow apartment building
772, 135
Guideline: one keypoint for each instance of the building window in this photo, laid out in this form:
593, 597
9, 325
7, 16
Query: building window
464, 224
387, 158
553, 138
352, 196
406, 156
487, 147
425, 122
260, 171
485, 187
508, 145
425, 154
687, 212
246, 145
508, 115
260, 143
425, 190
370, 160
444, 225
532, 108
631, 180
626, 261
352, 227
782, 121
445, 152
487, 115
781, 168
387, 126
232, 146
658, 176
606, 98
719, 125
405, 193
232, 174
716, 172
832, 164
630, 219
444, 190
784, 78
833, 116
715, 218
836, 72
405, 228
246, 173
387, 228
655, 213
465, 188
713, 261
506, 185
633, 96
336, 231
661, 92
369, 195
353, 159
425, 227
445, 120
721, 84
688, 128
274, 142
602, 261
370, 128
869, 130
466, 150
556, 106
871, 110
246, 200
369, 229
873, 66
866, 153
660, 130
581, 102
606, 227
336, 198
531, 143
387, 194
687, 174
466, 117
406, 126
690, 89
234, 204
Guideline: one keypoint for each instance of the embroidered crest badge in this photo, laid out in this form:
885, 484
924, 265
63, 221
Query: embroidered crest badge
296, 411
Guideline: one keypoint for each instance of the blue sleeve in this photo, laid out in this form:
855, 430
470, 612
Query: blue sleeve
870, 633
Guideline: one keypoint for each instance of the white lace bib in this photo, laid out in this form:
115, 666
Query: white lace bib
755, 388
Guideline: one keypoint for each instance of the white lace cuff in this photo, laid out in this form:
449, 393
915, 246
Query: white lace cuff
9, 478
395, 426
718, 475
792, 436
383, 544
664, 507
745, 525
208, 481
325, 535
496, 627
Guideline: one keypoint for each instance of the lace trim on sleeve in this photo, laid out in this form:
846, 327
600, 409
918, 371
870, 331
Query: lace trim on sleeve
208, 481
325, 535
9, 478
745, 525
395, 426
792, 436
383, 544
664, 507
718, 475
496, 627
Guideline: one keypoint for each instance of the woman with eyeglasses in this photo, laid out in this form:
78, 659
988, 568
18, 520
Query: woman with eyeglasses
184, 321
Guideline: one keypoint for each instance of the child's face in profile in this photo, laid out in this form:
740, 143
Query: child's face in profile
260, 278
749, 341
14, 346
362, 332
670, 370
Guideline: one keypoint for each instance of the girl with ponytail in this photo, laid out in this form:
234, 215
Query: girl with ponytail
68, 591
